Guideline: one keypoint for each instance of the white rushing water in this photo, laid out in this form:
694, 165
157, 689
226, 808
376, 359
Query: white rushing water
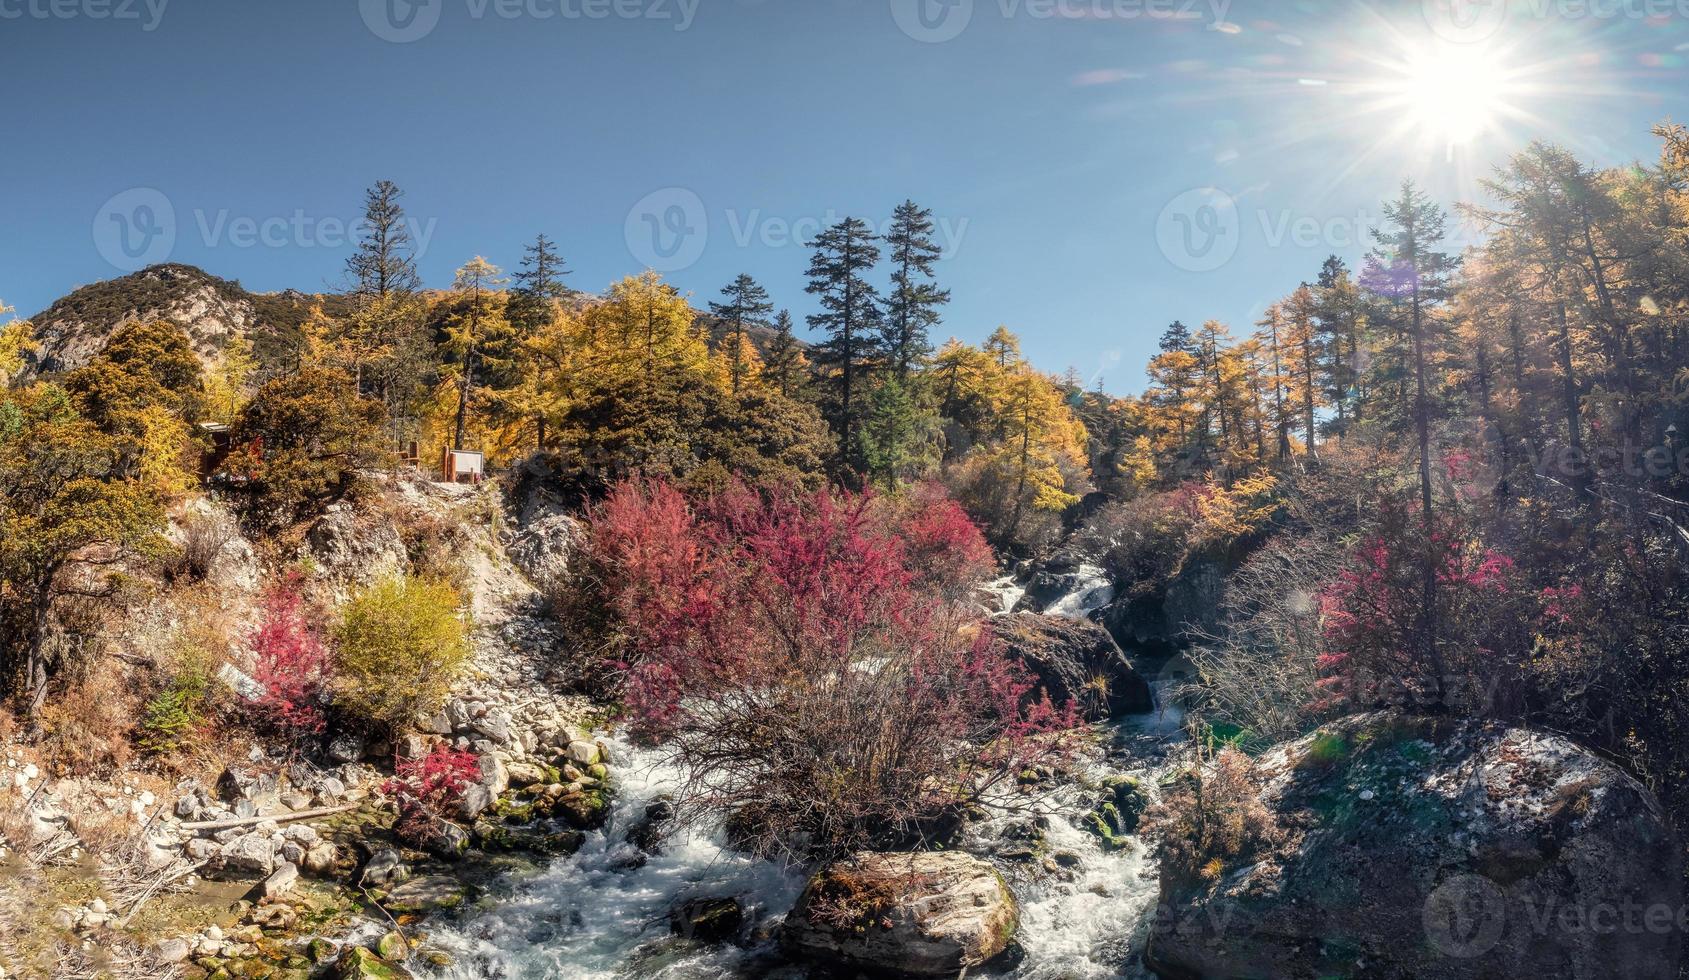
600, 916
596, 916
1008, 591
1091, 591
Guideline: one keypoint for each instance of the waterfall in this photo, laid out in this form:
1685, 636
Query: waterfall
1090, 591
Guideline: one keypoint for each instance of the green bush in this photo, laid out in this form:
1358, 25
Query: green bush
173, 718
401, 643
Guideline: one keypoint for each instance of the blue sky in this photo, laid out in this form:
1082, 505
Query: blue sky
1098, 167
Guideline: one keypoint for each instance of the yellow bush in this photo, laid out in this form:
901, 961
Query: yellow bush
401, 643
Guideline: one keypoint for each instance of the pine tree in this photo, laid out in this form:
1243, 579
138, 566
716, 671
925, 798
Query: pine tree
785, 365
1338, 314
912, 306
1003, 348
390, 356
899, 434
746, 303
850, 315
385, 261
538, 284
1412, 276
1173, 374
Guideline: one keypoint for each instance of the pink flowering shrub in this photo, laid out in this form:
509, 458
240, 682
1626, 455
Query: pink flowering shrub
437, 779
814, 661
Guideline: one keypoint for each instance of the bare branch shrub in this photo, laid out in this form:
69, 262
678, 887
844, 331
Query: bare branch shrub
1258, 672
201, 539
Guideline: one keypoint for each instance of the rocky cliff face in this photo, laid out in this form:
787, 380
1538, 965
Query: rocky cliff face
1431, 848
211, 310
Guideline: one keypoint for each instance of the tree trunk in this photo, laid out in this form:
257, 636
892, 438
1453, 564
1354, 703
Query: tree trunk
1422, 418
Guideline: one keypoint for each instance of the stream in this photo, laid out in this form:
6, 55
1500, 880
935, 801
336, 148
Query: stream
603, 915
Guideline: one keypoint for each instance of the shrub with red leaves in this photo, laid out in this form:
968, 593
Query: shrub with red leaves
291, 662
1383, 649
437, 779
812, 660
942, 545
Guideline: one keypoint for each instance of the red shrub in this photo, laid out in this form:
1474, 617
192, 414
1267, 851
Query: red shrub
292, 662
1381, 647
942, 544
439, 778
810, 660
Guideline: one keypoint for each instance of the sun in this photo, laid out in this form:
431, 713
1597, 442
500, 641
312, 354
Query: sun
1452, 94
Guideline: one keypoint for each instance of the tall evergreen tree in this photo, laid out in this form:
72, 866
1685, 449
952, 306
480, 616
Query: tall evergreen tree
1177, 338
912, 306
746, 302
1340, 325
538, 283
385, 261
1412, 276
382, 338
850, 316
785, 366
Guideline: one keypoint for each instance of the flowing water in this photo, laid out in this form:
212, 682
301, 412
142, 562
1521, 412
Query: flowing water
1089, 592
603, 915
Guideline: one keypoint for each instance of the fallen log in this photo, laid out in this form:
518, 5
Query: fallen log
232, 823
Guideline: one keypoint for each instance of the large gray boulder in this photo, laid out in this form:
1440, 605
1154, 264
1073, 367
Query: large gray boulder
1075, 659
924, 915
1435, 848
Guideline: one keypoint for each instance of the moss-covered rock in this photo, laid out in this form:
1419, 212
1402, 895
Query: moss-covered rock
1119, 812
358, 963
